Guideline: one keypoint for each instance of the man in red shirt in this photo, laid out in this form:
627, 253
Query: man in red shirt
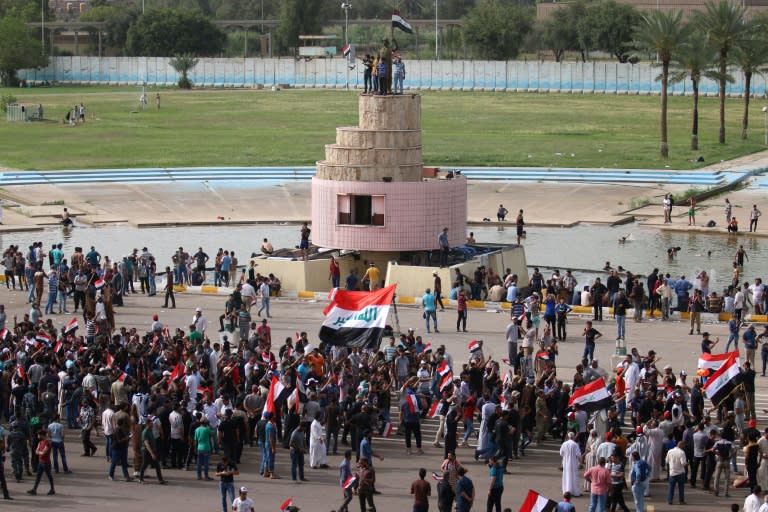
264, 331
599, 478
43, 453
421, 490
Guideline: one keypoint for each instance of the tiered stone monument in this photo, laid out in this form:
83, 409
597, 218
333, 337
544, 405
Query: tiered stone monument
372, 192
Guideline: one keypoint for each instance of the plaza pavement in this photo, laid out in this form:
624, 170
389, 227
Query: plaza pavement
89, 489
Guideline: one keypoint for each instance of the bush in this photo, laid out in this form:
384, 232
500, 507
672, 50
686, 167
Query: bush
7, 99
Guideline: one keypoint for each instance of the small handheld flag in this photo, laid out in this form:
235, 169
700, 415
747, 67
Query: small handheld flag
71, 325
349, 482
287, 503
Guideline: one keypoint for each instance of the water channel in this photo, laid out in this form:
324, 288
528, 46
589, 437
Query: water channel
584, 248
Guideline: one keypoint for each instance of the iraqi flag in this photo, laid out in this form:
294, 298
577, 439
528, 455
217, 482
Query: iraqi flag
388, 429
446, 380
357, 319
275, 389
43, 338
99, 283
473, 346
433, 411
427, 349
543, 355
349, 482
4, 334
724, 381
535, 502
287, 503
444, 367
58, 346
436, 477
178, 371
399, 22
412, 402
592, 397
346, 50
71, 325
715, 361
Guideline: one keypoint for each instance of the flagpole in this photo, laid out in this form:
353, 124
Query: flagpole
394, 312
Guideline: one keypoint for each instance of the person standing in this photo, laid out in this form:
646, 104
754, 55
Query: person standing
373, 276
87, 420
428, 302
590, 336
56, 431
566, 505
617, 484
640, 479
727, 209
520, 225
438, 288
264, 294
43, 453
399, 75
465, 491
691, 211
121, 437
367, 73
334, 273
461, 311
444, 246
226, 470
304, 242
620, 306
754, 214
571, 455
347, 488
677, 464
318, 454
366, 478
157, 101
3, 483
149, 451
599, 478
202, 436
496, 484
297, 445
445, 493
501, 213
421, 490
695, 307
169, 288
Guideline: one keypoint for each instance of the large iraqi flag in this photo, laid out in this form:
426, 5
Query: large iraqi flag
399, 22
592, 397
356, 319
715, 361
724, 381
535, 502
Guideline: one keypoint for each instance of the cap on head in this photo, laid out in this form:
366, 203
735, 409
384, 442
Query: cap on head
243, 490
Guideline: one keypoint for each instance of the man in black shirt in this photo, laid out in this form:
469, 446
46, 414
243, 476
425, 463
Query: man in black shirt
226, 470
748, 375
590, 335
229, 435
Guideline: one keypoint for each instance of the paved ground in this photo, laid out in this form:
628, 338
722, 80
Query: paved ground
88, 486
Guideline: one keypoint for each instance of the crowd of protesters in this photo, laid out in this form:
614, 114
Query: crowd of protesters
170, 398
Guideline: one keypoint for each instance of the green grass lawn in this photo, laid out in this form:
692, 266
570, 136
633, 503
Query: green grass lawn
291, 127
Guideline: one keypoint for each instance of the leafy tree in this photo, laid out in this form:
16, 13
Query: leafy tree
298, 17
751, 56
25, 10
184, 64
117, 22
723, 23
560, 30
165, 32
693, 60
608, 26
18, 50
664, 33
496, 31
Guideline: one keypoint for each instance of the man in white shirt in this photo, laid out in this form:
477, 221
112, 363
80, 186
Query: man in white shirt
243, 503
177, 436
676, 462
192, 382
753, 501
107, 425
248, 293
264, 294
201, 324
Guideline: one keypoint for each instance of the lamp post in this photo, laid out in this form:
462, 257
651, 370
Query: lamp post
765, 124
42, 27
437, 47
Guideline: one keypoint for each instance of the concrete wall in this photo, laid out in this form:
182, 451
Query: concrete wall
412, 281
547, 76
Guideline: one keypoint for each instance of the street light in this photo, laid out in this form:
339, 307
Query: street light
437, 50
765, 124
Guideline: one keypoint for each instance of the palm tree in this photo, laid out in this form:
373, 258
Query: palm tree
723, 23
183, 64
751, 55
662, 32
693, 60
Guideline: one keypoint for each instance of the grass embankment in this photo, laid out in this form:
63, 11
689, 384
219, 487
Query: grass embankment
290, 127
